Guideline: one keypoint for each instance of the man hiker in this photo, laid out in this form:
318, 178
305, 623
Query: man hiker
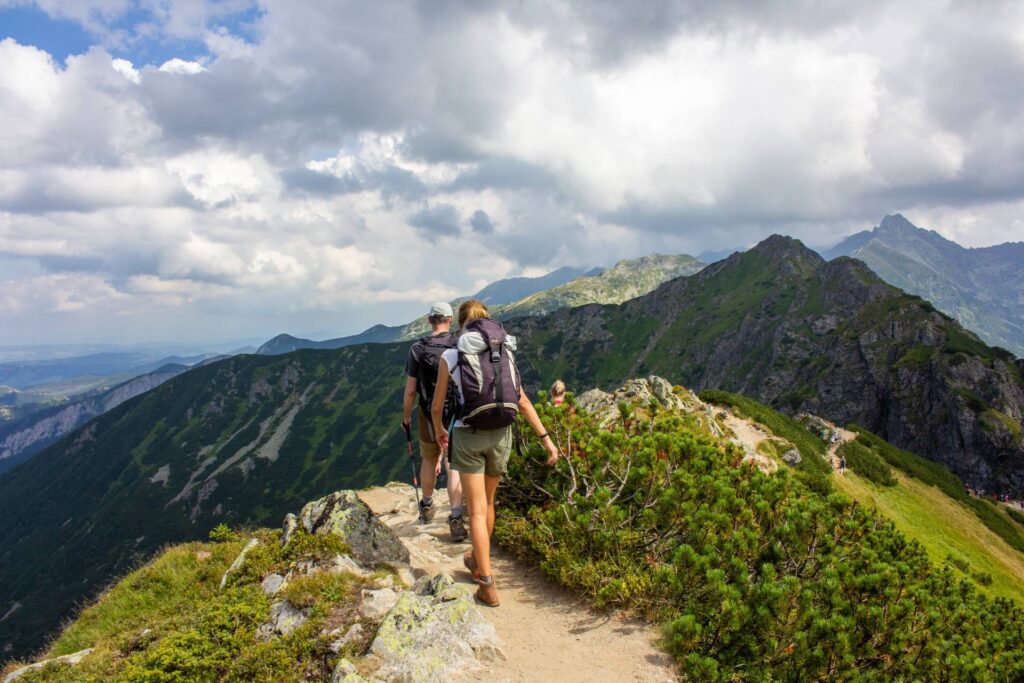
421, 378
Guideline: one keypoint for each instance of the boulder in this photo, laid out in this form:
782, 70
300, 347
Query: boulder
342, 513
239, 561
377, 603
355, 631
346, 672
273, 583
286, 617
71, 659
791, 457
433, 632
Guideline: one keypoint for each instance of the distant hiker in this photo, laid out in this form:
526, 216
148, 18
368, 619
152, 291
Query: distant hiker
421, 378
558, 392
842, 464
489, 396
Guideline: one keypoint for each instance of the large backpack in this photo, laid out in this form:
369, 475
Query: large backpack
430, 363
489, 379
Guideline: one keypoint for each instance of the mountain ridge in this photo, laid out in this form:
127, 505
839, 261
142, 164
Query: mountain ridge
245, 439
982, 287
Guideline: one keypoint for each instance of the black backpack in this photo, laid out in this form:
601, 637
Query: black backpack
430, 363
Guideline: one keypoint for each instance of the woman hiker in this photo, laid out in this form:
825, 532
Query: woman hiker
557, 394
490, 396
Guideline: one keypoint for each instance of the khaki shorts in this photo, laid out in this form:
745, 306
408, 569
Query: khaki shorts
429, 450
484, 451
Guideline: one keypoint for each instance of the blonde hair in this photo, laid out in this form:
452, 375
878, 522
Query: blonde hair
471, 310
558, 388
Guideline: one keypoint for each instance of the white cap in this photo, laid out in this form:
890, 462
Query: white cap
441, 310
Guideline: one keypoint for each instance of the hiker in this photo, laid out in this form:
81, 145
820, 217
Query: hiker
558, 392
489, 396
421, 378
842, 464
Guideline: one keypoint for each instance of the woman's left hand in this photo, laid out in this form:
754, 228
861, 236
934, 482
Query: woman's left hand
442, 441
553, 451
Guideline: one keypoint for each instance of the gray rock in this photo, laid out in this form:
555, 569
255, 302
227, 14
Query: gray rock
791, 457
342, 513
291, 524
433, 632
239, 561
286, 617
272, 584
377, 603
355, 631
346, 672
71, 659
344, 563
404, 572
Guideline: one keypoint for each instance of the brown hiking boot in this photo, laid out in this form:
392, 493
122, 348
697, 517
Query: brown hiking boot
470, 562
426, 512
457, 528
487, 593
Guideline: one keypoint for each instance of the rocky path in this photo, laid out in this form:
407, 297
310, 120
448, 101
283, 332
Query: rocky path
548, 634
845, 435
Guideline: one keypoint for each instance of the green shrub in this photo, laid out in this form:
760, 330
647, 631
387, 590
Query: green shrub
983, 578
752, 576
1015, 515
864, 461
958, 562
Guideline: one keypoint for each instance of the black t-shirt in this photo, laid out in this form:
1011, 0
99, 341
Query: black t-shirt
412, 364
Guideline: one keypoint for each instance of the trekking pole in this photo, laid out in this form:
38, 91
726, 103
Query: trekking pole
412, 462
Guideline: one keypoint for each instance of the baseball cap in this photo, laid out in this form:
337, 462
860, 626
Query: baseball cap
441, 310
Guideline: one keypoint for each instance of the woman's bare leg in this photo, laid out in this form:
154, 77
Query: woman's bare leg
490, 488
476, 503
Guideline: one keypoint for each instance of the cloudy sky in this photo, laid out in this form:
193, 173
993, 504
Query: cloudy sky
199, 170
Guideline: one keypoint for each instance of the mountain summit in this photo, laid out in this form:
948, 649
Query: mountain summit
982, 288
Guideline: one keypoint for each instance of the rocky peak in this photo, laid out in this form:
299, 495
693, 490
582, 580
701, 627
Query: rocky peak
896, 223
781, 247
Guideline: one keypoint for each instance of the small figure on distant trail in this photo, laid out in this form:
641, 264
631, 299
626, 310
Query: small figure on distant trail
842, 464
558, 392
421, 378
489, 395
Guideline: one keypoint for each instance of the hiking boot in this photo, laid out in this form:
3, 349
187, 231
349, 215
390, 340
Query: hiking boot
426, 512
487, 593
457, 528
470, 562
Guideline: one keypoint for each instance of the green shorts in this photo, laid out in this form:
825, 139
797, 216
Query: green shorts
484, 451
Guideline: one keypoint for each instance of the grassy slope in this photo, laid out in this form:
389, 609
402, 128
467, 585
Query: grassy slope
923, 512
170, 620
944, 527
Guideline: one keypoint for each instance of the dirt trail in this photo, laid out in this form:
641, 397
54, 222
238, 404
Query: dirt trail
845, 435
548, 634
746, 431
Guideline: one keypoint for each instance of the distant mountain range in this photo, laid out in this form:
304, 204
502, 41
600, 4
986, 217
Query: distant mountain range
982, 288
246, 439
34, 417
23, 437
526, 296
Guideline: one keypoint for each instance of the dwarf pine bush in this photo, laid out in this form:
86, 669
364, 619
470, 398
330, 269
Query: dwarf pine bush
752, 576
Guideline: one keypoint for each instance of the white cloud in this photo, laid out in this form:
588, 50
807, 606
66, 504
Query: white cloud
181, 66
126, 69
325, 173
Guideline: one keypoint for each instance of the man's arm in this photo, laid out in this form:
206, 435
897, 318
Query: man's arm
408, 400
533, 419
